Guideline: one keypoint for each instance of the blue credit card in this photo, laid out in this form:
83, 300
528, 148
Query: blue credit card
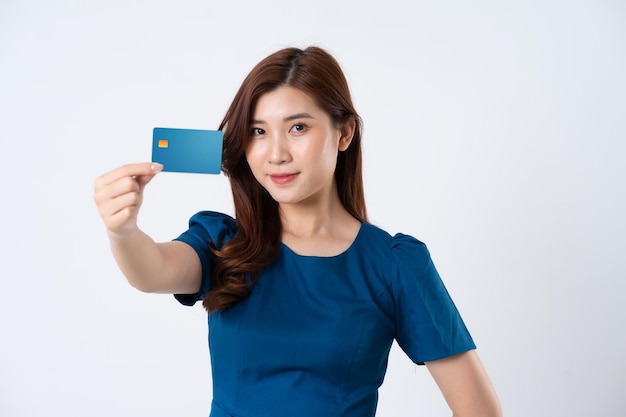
188, 150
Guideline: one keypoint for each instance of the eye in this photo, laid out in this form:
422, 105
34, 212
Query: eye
257, 131
299, 127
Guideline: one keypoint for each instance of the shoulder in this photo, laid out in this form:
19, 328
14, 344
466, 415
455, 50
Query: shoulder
209, 226
212, 219
392, 257
399, 246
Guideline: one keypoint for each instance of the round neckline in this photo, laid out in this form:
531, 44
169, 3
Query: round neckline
352, 244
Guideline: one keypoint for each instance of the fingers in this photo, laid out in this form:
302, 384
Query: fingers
129, 170
118, 195
123, 193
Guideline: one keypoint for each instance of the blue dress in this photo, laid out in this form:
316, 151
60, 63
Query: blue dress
313, 337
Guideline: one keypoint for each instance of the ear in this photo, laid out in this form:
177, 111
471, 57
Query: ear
347, 133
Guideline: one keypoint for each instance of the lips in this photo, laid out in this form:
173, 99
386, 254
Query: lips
283, 178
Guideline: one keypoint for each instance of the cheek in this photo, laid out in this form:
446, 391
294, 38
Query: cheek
253, 154
323, 146
328, 150
254, 164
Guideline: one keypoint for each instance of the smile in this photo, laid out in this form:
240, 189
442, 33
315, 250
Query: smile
283, 178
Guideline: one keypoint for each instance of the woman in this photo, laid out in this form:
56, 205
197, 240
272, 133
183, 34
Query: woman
304, 296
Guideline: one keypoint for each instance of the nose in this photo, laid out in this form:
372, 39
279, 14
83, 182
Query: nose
278, 150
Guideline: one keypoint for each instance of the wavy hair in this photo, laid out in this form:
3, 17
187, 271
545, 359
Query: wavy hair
256, 244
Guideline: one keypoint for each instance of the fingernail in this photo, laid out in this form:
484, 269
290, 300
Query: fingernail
156, 167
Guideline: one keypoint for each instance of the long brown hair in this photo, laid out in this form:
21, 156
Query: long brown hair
257, 242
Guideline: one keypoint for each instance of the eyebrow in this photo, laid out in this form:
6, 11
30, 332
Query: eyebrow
287, 119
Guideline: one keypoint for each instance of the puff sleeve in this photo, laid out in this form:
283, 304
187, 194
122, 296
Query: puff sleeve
428, 324
206, 229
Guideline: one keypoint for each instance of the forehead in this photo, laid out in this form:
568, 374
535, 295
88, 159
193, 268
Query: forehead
283, 102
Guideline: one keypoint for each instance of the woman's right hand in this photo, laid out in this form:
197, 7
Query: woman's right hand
118, 195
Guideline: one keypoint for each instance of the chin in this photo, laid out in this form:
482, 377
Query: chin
285, 200
281, 198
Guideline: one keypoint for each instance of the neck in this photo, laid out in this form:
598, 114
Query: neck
323, 231
305, 222
313, 219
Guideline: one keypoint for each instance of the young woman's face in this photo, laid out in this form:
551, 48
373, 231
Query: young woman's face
293, 147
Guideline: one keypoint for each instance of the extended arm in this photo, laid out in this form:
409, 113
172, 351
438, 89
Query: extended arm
170, 267
465, 385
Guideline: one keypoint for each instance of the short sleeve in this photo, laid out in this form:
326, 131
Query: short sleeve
206, 229
429, 326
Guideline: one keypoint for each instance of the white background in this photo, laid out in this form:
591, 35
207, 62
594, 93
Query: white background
494, 131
